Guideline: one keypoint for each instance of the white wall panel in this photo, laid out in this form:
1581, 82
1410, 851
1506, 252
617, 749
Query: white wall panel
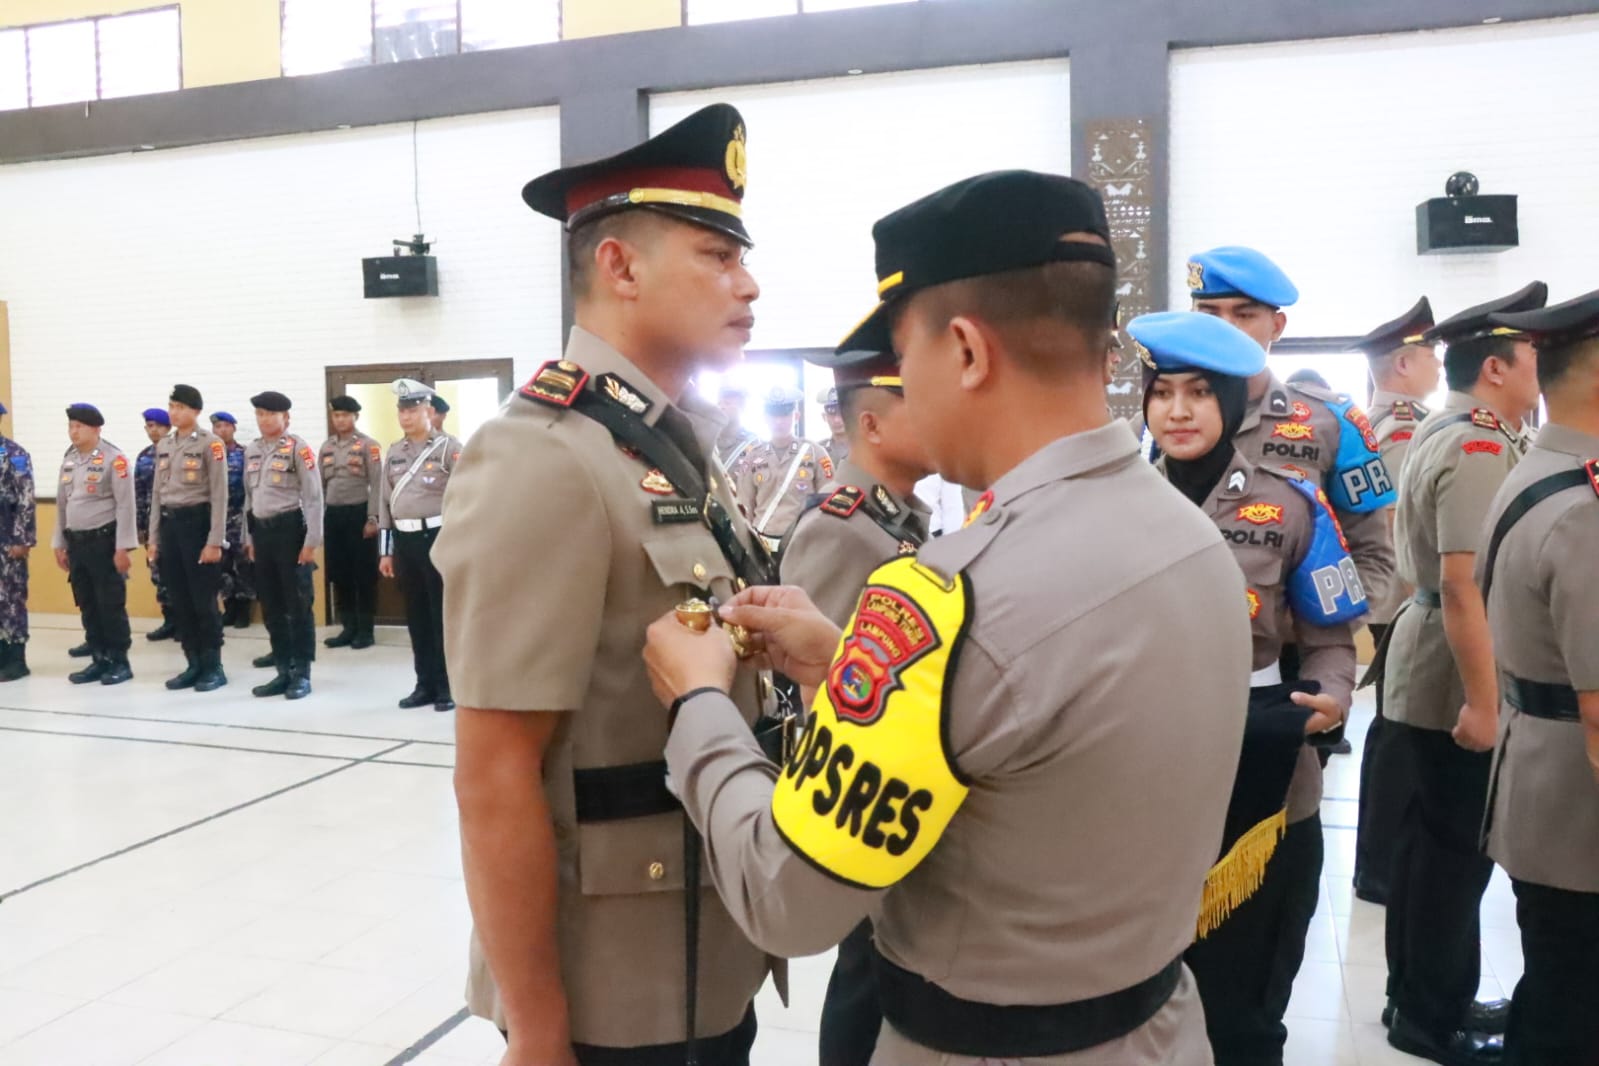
828, 158
1318, 152
236, 267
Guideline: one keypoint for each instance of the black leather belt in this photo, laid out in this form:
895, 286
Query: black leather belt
107, 530
1427, 598
1540, 699
184, 511
612, 793
942, 1022
281, 520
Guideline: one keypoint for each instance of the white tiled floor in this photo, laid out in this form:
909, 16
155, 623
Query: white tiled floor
214, 880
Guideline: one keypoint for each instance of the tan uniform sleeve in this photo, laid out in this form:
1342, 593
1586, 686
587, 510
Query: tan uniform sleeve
310, 493
1572, 584
746, 488
156, 479
1371, 545
831, 562
1466, 490
524, 573
374, 479
385, 520
218, 467
249, 494
122, 493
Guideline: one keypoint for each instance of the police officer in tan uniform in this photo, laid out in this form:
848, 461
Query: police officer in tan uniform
97, 528
837, 443
978, 772
1440, 687
283, 529
188, 522
1302, 586
590, 505
352, 475
780, 474
410, 514
1543, 608
734, 443
1302, 427
1406, 369
868, 516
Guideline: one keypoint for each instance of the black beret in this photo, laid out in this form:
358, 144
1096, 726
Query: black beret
1475, 322
1409, 328
345, 403
440, 404
990, 224
270, 401
1564, 323
695, 171
188, 396
86, 413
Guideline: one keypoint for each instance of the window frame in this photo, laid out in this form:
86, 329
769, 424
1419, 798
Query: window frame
372, 16
94, 20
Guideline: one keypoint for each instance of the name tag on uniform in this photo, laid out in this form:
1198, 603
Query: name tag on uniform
670, 512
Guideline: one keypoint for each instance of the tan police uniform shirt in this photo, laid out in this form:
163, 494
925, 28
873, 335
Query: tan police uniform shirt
775, 483
423, 495
280, 476
831, 554
1395, 419
352, 472
1544, 612
1450, 480
1291, 426
837, 450
554, 565
733, 447
1270, 527
1074, 866
96, 490
191, 469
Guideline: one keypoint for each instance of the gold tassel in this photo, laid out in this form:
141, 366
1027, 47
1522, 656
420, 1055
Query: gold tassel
1238, 874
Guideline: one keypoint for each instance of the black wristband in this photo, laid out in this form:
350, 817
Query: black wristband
677, 704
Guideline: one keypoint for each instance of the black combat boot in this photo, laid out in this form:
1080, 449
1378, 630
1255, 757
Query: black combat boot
363, 632
264, 662
166, 630
117, 669
13, 661
81, 651
346, 634
299, 681
276, 687
211, 676
189, 676
96, 669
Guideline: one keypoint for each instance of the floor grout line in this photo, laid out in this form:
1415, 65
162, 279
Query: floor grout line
351, 764
431, 1037
228, 725
181, 743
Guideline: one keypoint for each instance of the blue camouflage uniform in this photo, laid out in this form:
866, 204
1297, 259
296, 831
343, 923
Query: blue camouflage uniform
238, 586
143, 480
17, 527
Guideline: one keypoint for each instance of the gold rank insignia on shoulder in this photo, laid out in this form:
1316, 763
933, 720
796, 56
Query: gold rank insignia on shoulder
1405, 411
844, 502
885, 501
1483, 418
620, 391
556, 383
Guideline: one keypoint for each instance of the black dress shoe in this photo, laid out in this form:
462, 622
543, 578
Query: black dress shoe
82, 651
93, 672
342, 639
361, 641
419, 697
263, 662
1491, 1017
1459, 1048
116, 673
276, 687
164, 631
445, 704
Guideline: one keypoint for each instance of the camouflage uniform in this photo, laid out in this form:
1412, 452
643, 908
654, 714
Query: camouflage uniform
238, 585
143, 478
16, 527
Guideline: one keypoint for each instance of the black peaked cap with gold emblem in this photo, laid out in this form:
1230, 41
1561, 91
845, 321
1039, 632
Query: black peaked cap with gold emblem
695, 171
1563, 323
989, 224
1475, 322
1409, 328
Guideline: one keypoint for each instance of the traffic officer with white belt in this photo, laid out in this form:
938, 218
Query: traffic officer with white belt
1006, 789
1542, 588
1441, 685
780, 474
410, 514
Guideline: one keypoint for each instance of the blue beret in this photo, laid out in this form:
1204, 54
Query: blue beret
223, 416
1237, 271
1174, 342
3, 409
157, 414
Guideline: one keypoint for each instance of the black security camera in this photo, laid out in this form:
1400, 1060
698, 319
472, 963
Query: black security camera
1460, 184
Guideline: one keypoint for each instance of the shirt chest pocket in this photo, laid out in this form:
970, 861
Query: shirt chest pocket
690, 562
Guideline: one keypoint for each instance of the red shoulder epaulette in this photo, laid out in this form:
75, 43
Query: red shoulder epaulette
844, 501
1593, 475
556, 383
1483, 418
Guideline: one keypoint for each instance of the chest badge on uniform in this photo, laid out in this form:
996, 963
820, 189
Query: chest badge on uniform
908, 547
1300, 412
1261, 514
1254, 603
1279, 404
655, 482
1294, 431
